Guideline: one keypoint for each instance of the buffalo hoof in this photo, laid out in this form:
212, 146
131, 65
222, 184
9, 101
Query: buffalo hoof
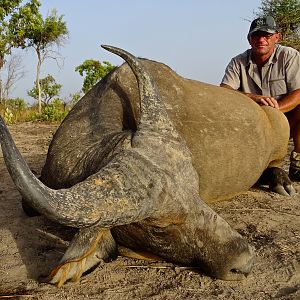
294, 174
89, 248
71, 270
278, 181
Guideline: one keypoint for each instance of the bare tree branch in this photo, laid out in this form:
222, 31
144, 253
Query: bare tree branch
11, 73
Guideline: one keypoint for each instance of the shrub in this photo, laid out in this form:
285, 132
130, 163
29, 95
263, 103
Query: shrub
16, 110
13, 110
54, 111
8, 116
16, 104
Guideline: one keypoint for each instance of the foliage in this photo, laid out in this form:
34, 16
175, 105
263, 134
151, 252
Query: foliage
16, 110
54, 112
42, 34
49, 89
13, 109
287, 16
93, 70
75, 98
8, 116
34, 31
16, 104
8, 9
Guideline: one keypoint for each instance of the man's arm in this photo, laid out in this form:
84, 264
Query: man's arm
259, 99
290, 101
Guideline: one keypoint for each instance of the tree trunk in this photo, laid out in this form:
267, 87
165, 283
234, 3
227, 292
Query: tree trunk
37, 81
1, 83
2, 61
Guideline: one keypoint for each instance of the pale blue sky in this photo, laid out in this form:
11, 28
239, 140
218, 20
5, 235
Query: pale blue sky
196, 38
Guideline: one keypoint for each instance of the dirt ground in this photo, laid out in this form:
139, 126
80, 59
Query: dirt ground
29, 247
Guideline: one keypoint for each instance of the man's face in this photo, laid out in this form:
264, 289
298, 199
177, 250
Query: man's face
263, 43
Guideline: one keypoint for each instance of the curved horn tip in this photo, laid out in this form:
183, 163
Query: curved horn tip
108, 47
105, 46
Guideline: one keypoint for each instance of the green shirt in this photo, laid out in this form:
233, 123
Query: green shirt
279, 76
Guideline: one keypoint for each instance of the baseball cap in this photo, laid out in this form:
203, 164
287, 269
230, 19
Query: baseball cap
265, 24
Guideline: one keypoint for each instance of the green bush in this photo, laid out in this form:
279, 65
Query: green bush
54, 111
16, 104
13, 110
16, 110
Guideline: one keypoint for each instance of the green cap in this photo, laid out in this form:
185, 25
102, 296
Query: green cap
265, 24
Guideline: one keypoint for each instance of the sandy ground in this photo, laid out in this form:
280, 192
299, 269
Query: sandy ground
29, 247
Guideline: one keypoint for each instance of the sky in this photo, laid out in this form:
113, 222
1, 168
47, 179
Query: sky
196, 38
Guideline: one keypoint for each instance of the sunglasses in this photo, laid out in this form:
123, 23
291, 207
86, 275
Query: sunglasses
259, 34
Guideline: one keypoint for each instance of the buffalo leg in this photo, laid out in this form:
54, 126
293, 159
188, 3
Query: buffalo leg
278, 181
89, 247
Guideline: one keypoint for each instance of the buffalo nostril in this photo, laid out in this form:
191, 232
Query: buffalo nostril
236, 271
243, 267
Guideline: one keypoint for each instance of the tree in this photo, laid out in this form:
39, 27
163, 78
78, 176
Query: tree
287, 16
48, 87
11, 73
93, 71
7, 9
73, 98
41, 34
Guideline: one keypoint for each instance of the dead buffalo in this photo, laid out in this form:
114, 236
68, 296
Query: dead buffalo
130, 160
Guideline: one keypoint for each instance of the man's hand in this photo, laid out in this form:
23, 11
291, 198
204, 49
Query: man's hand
259, 99
264, 100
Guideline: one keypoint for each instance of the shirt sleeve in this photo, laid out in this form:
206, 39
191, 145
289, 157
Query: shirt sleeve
232, 75
293, 71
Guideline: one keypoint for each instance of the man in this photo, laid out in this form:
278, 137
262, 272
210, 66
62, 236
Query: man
269, 74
